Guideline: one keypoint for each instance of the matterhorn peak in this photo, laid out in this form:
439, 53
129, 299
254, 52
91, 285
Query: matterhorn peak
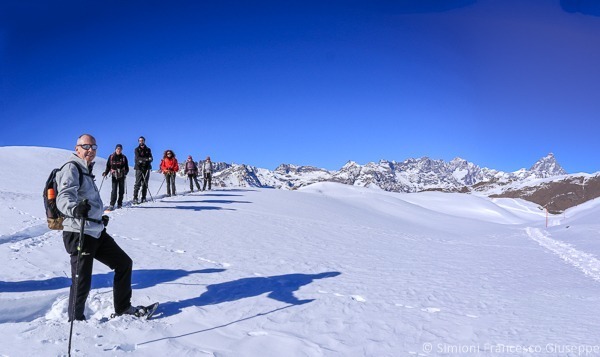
547, 167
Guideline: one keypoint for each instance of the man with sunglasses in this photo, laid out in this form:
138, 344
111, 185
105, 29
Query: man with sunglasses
143, 165
79, 200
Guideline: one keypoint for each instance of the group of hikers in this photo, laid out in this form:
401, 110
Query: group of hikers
84, 225
117, 167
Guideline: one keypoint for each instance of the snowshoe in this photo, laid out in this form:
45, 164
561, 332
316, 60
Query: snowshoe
138, 311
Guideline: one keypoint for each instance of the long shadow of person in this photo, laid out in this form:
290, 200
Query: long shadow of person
141, 279
280, 288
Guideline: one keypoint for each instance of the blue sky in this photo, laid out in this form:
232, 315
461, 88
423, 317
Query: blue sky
500, 83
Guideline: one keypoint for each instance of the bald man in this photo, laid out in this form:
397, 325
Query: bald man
97, 244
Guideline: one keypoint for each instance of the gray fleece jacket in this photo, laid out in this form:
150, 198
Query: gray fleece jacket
70, 193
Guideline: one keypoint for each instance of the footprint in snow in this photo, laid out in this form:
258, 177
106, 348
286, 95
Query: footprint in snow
358, 298
224, 265
258, 333
431, 310
125, 347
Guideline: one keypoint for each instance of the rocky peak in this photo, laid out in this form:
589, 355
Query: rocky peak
547, 167
286, 168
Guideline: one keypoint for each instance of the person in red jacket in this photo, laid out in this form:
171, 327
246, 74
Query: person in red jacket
169, 167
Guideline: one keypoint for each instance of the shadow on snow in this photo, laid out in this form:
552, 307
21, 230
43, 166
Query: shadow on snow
194, 208
213, 201
140, 279
220, 195
280, 288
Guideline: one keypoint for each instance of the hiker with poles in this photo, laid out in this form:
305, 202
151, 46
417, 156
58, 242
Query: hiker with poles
207, 169
118, 168
191, 170
84, 233
169, 167
143, 165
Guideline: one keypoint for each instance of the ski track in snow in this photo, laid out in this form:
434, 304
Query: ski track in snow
585, 262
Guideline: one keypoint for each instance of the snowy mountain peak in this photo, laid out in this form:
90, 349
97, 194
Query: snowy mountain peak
547, 167
458, 161
350, 164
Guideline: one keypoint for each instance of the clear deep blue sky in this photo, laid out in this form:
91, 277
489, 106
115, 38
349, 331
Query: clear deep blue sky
500, 83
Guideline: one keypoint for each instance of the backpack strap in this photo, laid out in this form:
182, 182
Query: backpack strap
81, 174
79, 170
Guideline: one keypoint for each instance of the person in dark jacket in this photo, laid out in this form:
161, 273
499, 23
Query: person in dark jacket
118, 167
191, 170
82, 201
143, 165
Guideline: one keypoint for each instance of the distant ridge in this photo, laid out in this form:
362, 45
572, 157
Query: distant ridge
545, 182
411, 175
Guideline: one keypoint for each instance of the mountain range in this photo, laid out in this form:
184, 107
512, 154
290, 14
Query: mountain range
545, 182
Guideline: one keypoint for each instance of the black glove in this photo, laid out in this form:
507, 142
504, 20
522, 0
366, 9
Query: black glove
105, 220
82, 209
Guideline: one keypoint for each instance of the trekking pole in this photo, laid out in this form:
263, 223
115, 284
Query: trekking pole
161, 185
102, 183
147, 181
74, 297
125, 184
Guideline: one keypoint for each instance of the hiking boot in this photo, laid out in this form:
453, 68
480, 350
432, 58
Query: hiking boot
119, 206
135, 310
80, 318
135, 201
111, 208
131, 310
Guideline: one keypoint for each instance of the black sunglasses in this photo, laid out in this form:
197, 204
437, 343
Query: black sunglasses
88, 146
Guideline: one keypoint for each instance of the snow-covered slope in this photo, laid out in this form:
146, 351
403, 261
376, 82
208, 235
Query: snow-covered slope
327, 270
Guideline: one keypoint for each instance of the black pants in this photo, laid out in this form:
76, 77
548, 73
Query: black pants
118, 184
106, 251
195, 179
207, 178
170, 184
141, 180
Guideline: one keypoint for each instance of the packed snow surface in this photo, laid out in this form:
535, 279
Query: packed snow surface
327, 270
